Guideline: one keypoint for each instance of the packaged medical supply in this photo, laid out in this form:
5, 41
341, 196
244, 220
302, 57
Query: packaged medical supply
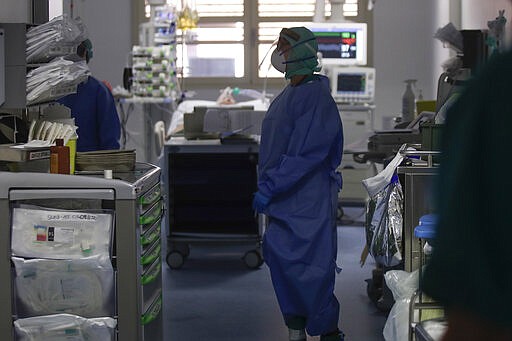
57, 37
45, 233
77, 286
65, 327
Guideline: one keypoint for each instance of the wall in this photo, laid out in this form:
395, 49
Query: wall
476, 13
15, 11
109, 27
404, 48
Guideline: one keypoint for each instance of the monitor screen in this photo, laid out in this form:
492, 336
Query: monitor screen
341, 43
355, 83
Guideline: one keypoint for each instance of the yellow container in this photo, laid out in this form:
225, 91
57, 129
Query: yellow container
422, 106
72, 153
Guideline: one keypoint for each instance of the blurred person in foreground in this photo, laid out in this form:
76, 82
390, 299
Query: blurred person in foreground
469, 269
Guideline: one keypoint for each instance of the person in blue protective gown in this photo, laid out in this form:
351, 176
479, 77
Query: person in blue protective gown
301, 147
94, 110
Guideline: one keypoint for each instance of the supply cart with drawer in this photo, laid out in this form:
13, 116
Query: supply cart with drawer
134, 204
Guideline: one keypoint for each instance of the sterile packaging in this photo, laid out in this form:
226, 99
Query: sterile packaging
58, 78
43, 233
65, 327
83, 287
57, 37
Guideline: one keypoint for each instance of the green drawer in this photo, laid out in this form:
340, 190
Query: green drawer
150, 196
151, 254
153, 214
152, 313
152, 233
152, 273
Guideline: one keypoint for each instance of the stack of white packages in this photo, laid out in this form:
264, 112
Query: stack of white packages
58, 78
58, 37
63, 266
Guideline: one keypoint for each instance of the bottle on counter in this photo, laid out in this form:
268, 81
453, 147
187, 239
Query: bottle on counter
72, 152
59, 158
408, 101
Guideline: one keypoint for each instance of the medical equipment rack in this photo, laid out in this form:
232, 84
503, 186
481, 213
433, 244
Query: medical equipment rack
135, 197
418, 181
209, 188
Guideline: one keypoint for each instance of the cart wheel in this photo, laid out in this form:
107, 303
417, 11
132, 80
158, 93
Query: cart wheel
253, 259
175, 259
182, 248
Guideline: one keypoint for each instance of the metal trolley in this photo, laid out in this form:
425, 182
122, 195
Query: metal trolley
209, 188
135, 199
418, 182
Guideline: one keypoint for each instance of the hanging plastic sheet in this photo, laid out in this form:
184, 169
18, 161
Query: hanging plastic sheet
40, 233
77, 286
384, 215
65, 327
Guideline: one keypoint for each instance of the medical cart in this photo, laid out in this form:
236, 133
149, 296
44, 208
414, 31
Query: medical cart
135, 199
418, 181
209, 187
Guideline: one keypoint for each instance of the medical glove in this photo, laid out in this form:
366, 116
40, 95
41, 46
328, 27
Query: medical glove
260, 202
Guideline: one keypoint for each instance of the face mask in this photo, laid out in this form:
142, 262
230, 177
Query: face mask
277, 60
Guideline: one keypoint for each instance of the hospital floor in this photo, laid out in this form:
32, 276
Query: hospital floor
215, 297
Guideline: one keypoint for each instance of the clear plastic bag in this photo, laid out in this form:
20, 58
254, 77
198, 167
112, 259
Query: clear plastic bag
384, 214
384, 218
403, 285
58, 234
77, 286
65, 327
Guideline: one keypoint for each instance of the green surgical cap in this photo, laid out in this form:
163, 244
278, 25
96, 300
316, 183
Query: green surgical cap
302, 59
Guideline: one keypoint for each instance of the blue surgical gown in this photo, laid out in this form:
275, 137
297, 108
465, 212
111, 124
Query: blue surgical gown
95, 114
301, 147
